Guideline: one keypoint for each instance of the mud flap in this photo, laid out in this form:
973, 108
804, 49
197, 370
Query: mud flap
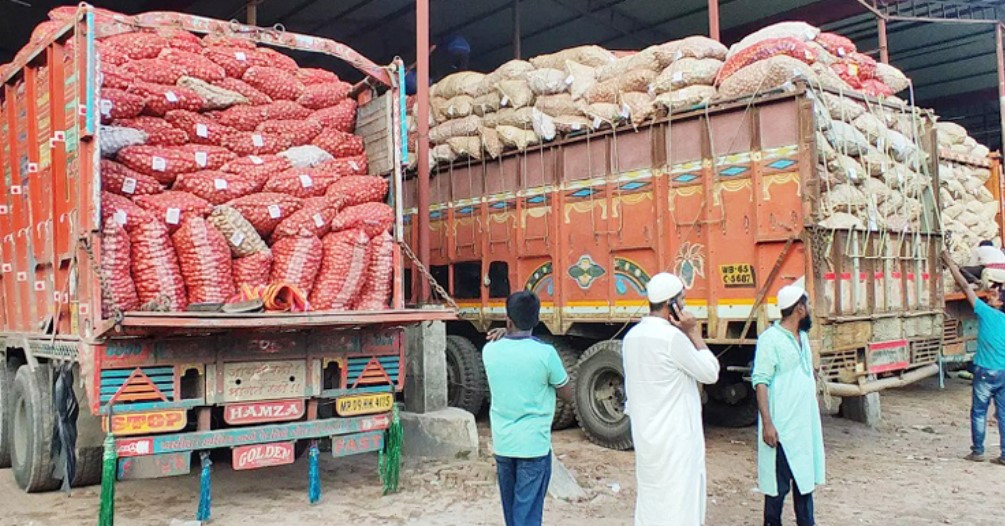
64, 429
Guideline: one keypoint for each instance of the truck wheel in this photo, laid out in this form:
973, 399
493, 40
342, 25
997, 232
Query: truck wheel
722, 414
88, 466
33, 419
466, 384
565, 412
600, 396
7, 370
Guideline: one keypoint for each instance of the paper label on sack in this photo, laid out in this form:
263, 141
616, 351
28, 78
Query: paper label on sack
576, 126
275, 212
306, 181
120, 217
129, 185
319, 221
240, 55
220, 184
173, 216
353, 165
257, 140
159, 164
202, 159
256, 160
569, 80
597, 122
853, 70
106, 107
237, 238
625, 111
678, 55
841, 52
678, 77
170, 96
504, 101
201, 130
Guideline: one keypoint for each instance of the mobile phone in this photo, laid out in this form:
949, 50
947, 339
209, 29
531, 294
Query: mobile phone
675, 311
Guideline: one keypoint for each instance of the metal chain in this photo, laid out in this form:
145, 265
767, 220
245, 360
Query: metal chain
106, 288
429, 277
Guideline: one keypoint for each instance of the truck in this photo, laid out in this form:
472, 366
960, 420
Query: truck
727, 197
255, 386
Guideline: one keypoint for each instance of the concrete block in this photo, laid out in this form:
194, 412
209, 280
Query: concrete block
447, 433
426, 363
865, 409
563, 485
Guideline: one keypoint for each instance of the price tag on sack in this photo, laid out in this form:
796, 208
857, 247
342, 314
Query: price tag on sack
201, 130
306, 181
237, 239
202, 159
120, 217
504, 101
241, 56
256, 160
106, 107
159, 164
678, 77
353, 165
220, 184
275, 212
170, 96
319, 221
173, 216
129, 185
257, 140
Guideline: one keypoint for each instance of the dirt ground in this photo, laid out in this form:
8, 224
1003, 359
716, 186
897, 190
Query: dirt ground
909, 471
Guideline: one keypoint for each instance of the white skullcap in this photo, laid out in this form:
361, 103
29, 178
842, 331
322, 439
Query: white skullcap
663, 286
789, 295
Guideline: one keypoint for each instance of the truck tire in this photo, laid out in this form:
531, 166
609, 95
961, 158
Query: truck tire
466, 383
33, 420
88, 466
565, 412
600, 396
7, 371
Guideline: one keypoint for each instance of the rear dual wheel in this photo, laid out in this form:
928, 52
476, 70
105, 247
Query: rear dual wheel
600, 396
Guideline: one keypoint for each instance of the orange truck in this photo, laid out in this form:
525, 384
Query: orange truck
727, 198
166, 384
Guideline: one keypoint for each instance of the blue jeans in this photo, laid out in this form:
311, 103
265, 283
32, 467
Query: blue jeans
773, 506
523, 483
988, 384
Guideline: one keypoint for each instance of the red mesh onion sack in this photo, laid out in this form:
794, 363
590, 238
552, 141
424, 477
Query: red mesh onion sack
765, 49
122, 210
243, 118
161, 99
274, 82
876, 88
255, 143
257, 166
341, 116
271, 57
137, 46
315, 76
209, 157
218, 187
358, 189
163, 163
108, 54
253, 270
180, 39
339, 144
835, 44
296, 261
344, 167
285, 110
173, 207
315, 217
234, 60
345, 258
159, 131
255, 97
115, 266
317, 96
866, 65
194, 65
847, 72
119, 179
155, 70
300, 182
199, 128
266, 210
118, 104
376, 291
112, 77
204, 258
211, 40
298, 132
373, 218
155, 265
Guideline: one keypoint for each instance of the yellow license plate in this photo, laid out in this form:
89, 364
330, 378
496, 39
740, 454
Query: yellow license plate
364, 404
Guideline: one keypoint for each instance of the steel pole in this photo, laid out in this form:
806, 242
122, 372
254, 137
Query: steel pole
713, 20
252, 12
516, 29
884, 48
1001, 82
422, 93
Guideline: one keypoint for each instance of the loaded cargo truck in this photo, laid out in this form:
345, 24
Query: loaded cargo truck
728, 197
166, 384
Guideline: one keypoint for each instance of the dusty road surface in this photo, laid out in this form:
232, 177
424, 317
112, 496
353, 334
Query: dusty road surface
907, 472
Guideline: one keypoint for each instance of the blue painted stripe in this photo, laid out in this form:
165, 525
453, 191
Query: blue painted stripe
124, 373
139, 407
155, 379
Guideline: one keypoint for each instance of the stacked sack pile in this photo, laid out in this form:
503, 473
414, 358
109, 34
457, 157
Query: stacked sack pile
969, 209
229, 171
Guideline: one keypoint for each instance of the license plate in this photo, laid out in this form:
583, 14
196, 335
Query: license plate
364, 404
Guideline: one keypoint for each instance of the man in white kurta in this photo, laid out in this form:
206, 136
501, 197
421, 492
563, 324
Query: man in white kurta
665, 358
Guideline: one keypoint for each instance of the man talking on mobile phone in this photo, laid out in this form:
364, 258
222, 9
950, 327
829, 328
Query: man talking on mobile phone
665, 358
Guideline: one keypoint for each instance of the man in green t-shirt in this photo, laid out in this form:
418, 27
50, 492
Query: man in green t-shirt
524, 376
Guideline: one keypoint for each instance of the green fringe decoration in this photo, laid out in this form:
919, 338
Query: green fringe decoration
109, 467
389, 465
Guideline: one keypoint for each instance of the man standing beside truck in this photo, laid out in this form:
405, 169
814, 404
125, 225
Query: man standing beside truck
524, 376
790, 446
989, 362
665, 358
